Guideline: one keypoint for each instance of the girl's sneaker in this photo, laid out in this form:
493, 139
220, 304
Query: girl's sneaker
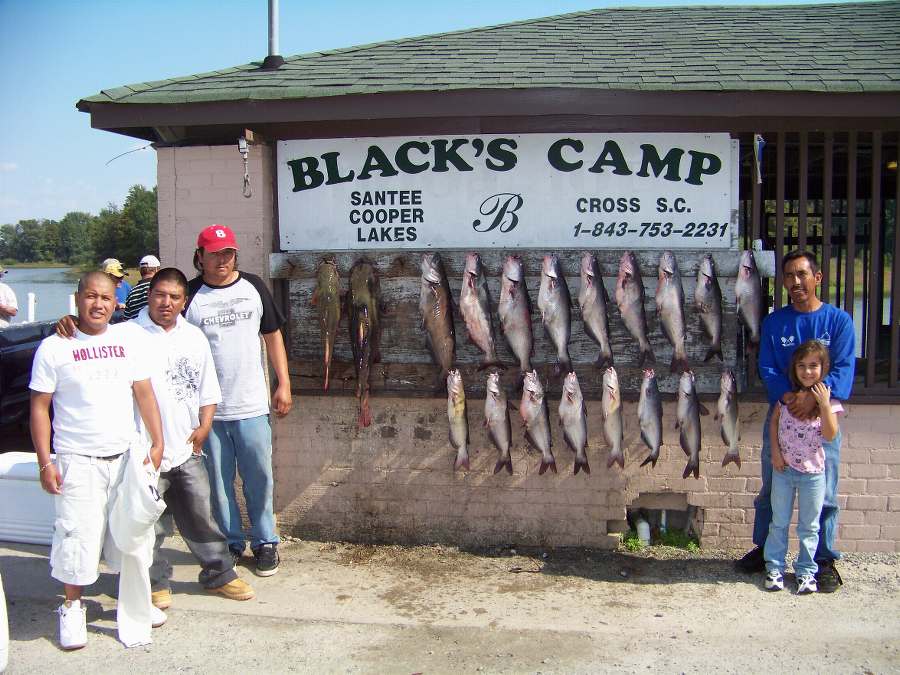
774, 581
806, 584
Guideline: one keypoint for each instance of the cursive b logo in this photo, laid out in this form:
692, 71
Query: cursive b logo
503, 208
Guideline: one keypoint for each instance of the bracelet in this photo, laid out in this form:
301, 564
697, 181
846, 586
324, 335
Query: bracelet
44, 467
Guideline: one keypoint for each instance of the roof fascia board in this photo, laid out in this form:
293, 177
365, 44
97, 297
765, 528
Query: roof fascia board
487, 103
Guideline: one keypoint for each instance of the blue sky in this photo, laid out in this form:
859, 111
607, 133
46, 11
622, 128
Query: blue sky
57, 51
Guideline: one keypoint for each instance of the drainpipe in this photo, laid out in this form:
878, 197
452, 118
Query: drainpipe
274, 60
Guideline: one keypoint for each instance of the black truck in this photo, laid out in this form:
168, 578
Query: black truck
17, 346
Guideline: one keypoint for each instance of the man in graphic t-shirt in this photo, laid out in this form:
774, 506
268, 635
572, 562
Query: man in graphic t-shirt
91, 382
233, 309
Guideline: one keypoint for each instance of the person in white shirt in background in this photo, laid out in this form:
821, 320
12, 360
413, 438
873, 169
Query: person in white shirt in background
137, 298
9, 307
92, 383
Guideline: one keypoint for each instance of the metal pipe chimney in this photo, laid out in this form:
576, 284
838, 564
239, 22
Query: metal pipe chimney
274, 60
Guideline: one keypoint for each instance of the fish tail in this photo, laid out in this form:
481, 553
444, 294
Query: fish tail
693, 467
494, 363
462, 458
615, 457
679, 364
647, 356
365, 417
732, 457
604, 361
503, 463
582, 463
713, 351
547, 464
651, 459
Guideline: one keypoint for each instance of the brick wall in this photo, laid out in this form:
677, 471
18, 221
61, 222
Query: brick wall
394, 481
202, 185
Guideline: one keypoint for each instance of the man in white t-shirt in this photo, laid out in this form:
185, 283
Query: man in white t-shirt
92, 383
233, 309
9, 307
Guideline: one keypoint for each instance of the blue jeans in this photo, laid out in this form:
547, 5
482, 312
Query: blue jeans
828, 521
810, 489
246, 444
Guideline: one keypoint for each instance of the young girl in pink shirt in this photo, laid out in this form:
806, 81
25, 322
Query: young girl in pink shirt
798, 460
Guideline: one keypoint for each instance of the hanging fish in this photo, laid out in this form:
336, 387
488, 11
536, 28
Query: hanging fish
555, 304
327, 298
364, 330
688, 415
475, 308
613, 427
708, 301
436, 308
630, 299
650, 416
670, 309
534, 412
514, 310
496, 419
593, 301
727, 414
458, 418
573, 420
749, 297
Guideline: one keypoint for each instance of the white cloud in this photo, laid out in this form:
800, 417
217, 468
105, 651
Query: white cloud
8, 166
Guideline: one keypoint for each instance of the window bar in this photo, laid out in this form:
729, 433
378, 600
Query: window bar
850, 271
877, 264
828, 170
779, 218
895, 285
802, 208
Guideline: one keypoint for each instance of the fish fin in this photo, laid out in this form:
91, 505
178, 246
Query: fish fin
702, 408
462, 459
679, 365
646, 441
724, 438
691, 468
603, 361
713, 352
615, 458
565, 366
732, 457
365, 416
504, 464
647, 356
651, 459
582, 464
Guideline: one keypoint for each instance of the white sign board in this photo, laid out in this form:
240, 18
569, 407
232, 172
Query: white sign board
676, 191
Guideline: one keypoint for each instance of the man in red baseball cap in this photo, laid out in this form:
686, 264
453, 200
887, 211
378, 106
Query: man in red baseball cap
233, 309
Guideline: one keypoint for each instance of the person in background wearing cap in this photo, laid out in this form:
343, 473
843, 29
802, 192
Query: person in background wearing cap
115, 270
233, 309
137, 299
9, 307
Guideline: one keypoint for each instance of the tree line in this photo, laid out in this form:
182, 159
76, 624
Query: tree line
81, 238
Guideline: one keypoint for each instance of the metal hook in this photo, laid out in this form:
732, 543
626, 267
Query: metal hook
245, 154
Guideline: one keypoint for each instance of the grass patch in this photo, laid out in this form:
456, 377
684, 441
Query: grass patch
631, 542
678, 539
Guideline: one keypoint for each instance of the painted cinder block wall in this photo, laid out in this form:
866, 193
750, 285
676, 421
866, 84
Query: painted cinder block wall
393, 481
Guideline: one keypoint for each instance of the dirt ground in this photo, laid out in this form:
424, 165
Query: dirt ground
342, 608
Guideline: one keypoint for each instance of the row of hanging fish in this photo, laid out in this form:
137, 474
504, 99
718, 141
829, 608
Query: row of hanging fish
535, 415
554, 303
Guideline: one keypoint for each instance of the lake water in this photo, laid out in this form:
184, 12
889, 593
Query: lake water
51, 285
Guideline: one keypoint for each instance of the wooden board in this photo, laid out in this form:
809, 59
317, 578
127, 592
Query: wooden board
407, 367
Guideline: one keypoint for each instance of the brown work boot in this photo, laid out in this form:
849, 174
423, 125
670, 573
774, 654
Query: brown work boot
161, 599
237, 589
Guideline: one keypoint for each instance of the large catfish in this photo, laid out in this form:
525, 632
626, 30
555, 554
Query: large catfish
593, 301
687, 412
727, 414
496, 419
613, 427
514, 310
436, 308
475, 307
555, 304
364, 330
708, 301
573, 420
630, 299
670, 309
457, 415
327, 298
650, 416
536, 416
749, 297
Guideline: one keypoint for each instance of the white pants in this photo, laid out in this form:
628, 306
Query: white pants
82, 511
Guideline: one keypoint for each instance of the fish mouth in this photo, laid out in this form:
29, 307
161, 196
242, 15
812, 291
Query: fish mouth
513, 271
649, 372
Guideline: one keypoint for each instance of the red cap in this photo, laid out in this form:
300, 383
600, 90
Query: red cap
217, 237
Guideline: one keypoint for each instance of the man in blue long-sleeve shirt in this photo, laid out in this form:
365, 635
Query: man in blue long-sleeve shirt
806, 318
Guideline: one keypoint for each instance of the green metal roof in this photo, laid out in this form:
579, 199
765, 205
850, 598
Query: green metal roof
809, 48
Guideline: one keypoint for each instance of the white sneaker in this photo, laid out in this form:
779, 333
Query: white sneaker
157, 617
72, 625
807, 584
774, 581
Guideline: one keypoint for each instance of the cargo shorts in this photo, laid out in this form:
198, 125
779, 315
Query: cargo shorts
82, 512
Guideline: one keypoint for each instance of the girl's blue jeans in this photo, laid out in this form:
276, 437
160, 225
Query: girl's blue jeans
810, 489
